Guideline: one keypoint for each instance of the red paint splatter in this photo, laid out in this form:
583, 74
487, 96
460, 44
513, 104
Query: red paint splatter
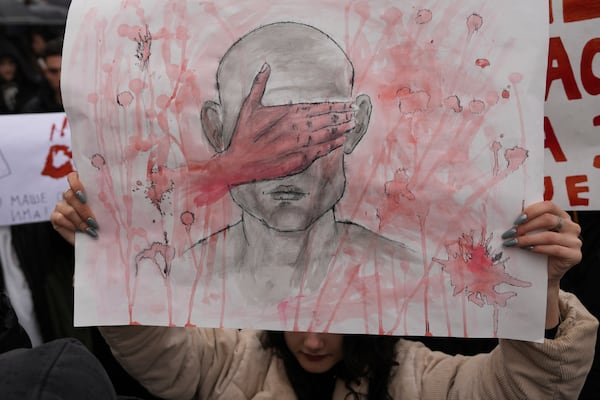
475, 272
482, 62
596, 120
98, 161
136, 86
187, 219
516, 157
474, 23
477, 106
505, 94
160, 254
413, 102
453, 102
492, 98
423, 16
124, 99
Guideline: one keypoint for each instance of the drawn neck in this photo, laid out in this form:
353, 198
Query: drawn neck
291, 248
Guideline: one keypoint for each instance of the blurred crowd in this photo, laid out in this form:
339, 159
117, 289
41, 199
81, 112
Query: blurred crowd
30, 66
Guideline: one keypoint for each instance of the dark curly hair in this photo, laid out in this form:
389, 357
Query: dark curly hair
367, 357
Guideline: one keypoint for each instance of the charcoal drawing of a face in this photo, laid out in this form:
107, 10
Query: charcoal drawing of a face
307, 67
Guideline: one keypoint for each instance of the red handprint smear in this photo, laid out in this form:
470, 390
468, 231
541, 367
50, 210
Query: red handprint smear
55, 153
476, 272
59, 159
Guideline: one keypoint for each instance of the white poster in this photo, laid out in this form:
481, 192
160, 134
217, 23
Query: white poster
35, 158
320, 165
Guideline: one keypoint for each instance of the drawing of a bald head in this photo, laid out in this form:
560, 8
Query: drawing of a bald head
307, 66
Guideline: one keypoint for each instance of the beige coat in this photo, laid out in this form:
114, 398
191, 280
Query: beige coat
191, 363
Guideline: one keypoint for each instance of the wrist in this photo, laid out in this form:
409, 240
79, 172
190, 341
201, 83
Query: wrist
552, 307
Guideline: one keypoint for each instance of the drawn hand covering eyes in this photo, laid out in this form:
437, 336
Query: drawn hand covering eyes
270, 142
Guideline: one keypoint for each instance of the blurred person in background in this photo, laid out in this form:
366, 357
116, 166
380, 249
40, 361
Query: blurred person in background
17, 86
48, 98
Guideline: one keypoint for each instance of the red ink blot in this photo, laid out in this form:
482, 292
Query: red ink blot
412, 102
505, 94
477, 106
474, 23
98, 161
423, 16
482, 62
453, 102
124, 99
596, 120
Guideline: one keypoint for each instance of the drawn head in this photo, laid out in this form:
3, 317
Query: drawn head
307, 66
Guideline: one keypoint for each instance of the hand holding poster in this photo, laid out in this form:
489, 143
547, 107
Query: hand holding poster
350, 170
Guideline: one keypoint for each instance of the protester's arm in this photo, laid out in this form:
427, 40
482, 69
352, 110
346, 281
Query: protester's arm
554, 369
183, 363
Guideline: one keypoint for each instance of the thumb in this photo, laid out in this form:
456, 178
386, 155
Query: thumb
259, 84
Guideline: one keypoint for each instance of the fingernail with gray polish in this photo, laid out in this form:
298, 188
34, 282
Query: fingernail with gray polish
510, 243
528, 248
81, 196
92, 233
506, 235
520, 219
92, 222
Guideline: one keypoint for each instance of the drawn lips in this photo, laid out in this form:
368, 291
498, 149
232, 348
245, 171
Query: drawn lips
286, 193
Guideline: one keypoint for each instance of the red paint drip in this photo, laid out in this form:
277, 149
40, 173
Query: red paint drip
482, 62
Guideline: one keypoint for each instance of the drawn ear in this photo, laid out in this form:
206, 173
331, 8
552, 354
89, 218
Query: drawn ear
363, 116
212, 124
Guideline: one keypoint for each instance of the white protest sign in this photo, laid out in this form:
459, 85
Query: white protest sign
35, 157
192, 124
572, 121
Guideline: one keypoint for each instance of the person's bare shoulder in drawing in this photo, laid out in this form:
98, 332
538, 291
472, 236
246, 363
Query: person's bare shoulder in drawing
288, 235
